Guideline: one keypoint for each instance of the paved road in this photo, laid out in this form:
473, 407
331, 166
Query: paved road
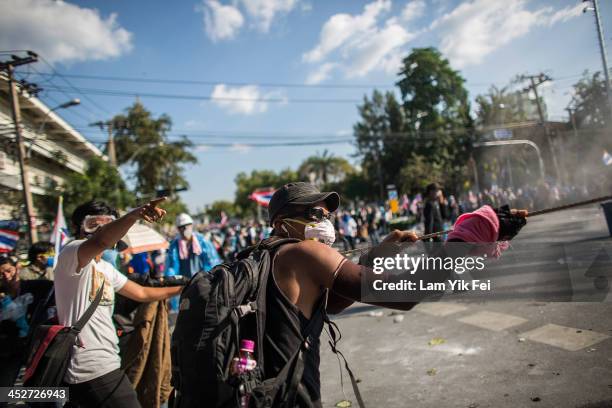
496, 354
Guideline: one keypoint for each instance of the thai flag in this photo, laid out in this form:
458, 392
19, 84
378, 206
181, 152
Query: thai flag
8, 240
59, 236
262, 197
607, 158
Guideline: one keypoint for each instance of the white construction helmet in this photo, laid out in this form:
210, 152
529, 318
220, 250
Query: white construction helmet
183, 219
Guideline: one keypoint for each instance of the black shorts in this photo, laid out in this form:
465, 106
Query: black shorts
112, 390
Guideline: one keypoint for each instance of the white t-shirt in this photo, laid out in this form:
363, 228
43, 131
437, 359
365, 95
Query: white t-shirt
97, 351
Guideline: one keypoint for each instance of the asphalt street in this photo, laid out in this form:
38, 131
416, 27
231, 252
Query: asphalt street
522, 352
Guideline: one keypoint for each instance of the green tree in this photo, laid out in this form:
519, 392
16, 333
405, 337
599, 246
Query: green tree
437, 112
381, 140
418, 173
215, 209
498, 107
142, 141
101, 181
591, 102
248, 183
324, 168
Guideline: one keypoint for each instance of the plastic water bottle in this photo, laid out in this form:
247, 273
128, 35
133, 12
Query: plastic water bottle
243, 363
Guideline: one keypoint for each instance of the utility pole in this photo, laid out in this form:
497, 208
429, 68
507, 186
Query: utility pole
9, 68
110, 145
602, 48
542, 78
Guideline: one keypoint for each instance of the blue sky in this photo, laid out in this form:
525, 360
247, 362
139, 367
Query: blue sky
250, 49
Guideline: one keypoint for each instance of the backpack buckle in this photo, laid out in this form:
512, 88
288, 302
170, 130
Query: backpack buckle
246, 309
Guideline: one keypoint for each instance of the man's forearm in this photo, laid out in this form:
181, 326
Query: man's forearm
108, 235
351, 277
153, 294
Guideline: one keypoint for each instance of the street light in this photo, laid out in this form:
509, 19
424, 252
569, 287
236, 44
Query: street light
602, 46
70, 103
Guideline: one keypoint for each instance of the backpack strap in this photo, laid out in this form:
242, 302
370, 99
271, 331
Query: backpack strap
334, 338
78, 326
295, 366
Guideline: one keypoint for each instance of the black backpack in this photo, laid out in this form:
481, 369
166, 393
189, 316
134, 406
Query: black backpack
216, 310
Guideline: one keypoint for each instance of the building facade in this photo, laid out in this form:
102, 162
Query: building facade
54, 150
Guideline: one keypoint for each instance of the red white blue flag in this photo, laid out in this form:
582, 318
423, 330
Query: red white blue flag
8, 240
262, 197
60, 234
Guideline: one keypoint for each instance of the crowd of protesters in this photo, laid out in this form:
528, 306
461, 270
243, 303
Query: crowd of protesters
25, 282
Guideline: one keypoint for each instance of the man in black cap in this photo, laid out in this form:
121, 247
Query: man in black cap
309, 278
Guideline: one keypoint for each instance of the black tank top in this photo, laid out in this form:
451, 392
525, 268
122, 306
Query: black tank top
285, 327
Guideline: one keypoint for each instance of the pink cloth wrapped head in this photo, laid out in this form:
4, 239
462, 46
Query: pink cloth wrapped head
480, 226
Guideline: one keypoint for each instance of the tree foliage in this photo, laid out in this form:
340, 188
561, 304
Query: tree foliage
142, 141
380, 139
101, 181
324, 168
498, 107
591, 103
258, 179
225, 206
429, 128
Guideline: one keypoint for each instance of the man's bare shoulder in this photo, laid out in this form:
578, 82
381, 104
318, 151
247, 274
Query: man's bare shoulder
307, 248
320, 261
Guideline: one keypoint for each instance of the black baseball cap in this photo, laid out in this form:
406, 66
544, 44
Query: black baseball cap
300, 193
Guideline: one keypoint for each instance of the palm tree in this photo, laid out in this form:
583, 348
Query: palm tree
324, 168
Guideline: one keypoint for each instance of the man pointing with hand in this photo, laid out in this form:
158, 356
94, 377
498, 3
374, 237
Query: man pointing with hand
93, 375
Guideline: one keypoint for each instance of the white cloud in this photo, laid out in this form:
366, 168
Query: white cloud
245, 100
321, 73
413, 10
221, 22
476, 28
194, 124
341, 28
377, 50
359, 44
263, 12
566, 13
202, 148
240, 148
61, 31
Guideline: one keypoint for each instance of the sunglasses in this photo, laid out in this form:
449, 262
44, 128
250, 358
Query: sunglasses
315, 214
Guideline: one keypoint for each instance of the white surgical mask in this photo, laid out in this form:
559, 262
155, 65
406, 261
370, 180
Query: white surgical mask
187, 232
322, 231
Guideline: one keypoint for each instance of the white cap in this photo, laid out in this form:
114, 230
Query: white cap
183, 219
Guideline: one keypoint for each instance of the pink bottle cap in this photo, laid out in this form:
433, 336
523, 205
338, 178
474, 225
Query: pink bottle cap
247, 345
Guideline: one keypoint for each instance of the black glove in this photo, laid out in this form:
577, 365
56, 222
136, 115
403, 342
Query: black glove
509, 224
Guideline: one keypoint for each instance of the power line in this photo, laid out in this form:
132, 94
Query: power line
54, 71
135, 94
211, 83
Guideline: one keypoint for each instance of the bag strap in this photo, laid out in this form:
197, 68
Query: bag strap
334, 338
78, 326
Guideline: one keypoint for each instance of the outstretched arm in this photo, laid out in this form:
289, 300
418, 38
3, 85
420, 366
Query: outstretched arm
108, 235
140, 293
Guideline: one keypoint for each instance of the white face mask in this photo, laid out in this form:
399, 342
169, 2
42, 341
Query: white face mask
322, 231
187, 232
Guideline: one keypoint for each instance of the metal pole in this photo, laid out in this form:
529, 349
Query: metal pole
23, 167
516, 141
112, 155
534, 86
602, 49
